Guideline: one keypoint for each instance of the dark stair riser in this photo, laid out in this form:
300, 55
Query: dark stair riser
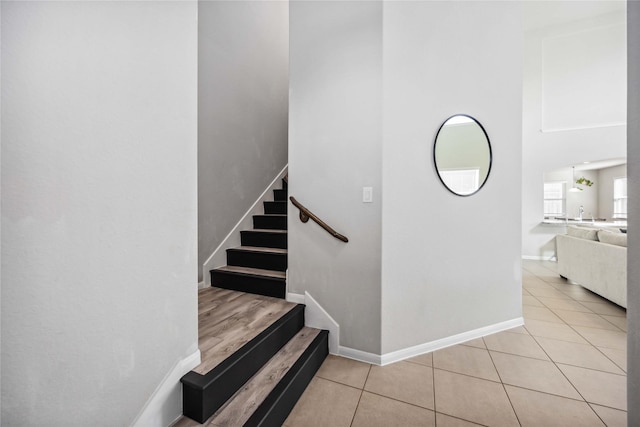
263, 239
285, 184
279, 208
267, 286
203, 395
270, 222
280, 195
265, 260
275, 409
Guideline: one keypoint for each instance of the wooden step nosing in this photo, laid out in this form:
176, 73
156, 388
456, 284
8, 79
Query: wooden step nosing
275, 408
203, 381
266, 231
259, 250
249, 274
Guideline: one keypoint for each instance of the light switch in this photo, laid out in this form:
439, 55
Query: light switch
367, 194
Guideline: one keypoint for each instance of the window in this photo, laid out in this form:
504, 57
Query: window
462, 181
620, 198
554, 198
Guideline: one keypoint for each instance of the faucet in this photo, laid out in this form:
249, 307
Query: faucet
580, 212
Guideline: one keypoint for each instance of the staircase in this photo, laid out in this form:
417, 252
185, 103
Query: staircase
259, 266
257, 355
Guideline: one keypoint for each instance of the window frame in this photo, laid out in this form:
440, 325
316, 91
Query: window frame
563, 199
616, 199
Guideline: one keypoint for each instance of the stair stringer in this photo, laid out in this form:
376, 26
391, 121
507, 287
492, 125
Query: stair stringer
219, 256
317, 317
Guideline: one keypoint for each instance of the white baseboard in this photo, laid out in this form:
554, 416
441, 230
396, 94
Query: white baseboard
164, 406
428, 347
406, 353
295, 298
316, 317
539, 258
219, 256
201, 285
361, 356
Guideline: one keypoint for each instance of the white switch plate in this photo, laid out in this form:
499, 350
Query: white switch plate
367, 194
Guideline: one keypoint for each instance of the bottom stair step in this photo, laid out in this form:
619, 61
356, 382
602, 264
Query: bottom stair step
270, 395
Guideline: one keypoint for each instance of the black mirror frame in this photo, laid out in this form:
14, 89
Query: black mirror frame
435, 163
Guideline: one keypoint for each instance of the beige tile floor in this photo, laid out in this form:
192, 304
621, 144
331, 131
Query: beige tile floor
565, 367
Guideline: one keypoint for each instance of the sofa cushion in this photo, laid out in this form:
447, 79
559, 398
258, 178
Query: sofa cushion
583, 232
612, 238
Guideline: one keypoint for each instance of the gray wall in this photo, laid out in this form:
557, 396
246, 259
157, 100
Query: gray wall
242, 110
335, 150
633, 255
440, 59
99, 202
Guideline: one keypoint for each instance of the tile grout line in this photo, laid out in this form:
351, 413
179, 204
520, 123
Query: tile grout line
462, 419
563, 374
353, 417
503, 385
585, 338
400, 401
433, 383
558, 368
589, 343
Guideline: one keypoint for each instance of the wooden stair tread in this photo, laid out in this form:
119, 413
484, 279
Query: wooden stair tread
258, 272
260, 249
233, 322
268, 230
242, 405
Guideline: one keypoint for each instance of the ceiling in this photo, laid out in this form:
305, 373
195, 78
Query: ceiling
600, 164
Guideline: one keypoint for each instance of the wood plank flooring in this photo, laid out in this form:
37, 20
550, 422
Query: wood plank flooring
228, 319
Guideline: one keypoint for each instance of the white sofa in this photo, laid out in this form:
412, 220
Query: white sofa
585, 258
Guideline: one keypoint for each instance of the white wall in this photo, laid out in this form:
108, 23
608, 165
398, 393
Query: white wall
335, 150
99, 202
633, 314
605, 188
242, 109
443, 58
547, 151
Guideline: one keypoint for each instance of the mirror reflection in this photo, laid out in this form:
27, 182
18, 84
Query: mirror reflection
462, 155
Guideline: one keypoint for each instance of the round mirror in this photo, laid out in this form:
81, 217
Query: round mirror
462, 155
